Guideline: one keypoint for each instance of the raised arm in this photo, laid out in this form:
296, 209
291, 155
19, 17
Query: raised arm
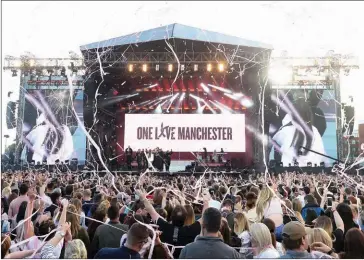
62, 219
338, 220
148, 206
28, 213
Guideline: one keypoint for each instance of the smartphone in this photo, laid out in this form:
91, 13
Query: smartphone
329, 202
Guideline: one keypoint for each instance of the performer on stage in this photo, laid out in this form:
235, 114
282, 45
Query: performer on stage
129, 157
139, 158
167, 159
205, 154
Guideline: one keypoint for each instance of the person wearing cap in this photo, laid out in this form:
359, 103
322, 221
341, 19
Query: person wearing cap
295, 242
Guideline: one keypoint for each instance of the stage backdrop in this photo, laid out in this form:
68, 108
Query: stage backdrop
186, 132
50, 128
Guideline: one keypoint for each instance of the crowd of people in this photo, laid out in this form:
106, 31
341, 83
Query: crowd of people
73, 215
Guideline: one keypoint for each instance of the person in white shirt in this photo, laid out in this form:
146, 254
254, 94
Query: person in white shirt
297, 132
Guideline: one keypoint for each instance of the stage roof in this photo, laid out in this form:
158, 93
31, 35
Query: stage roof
176, 31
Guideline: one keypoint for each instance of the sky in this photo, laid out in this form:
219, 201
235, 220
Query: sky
52, 29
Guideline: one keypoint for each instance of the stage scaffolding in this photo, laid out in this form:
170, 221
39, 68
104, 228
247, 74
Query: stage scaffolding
30, 67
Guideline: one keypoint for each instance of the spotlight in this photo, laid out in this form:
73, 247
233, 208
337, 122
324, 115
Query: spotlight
182, 67
157, 67
144, 68
195, 67
221, 67
170, 67
182, 97
15, 73
246, 102
280, 164
130, 67
209, 67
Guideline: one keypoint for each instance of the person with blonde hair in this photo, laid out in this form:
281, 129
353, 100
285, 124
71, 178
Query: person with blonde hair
319, 235
261, 240
75, 249
78, 204
269, 206
190, 217
241, 230
77, 231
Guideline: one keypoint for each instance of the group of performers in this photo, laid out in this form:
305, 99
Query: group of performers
147, 158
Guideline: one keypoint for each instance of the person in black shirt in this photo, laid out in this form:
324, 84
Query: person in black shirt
137, 237
139, 159
167, 159
174, 233
129, 157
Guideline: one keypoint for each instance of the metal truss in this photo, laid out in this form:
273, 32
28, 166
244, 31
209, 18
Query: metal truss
121, 58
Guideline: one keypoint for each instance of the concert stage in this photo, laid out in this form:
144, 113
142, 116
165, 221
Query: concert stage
177, 88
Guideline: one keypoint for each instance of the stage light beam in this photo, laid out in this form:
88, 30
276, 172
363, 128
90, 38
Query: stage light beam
221, 89
182, 96
205, 88
221, 67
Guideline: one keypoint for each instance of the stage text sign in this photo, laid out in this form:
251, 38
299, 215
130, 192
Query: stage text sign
185, 133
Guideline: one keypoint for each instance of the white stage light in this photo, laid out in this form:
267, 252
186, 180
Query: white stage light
131, 67
195, 97
280, 75
209, 67
157, 67
144, 67
205, 88
221, 67
221, 89
152, 86
195, 67
246, 102
182, 67
170, 67
182, 97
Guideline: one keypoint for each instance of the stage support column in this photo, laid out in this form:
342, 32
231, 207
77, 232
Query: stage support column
20, 118
335, 76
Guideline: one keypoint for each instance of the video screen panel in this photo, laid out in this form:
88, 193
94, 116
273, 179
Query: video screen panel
305, 118
50, 128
